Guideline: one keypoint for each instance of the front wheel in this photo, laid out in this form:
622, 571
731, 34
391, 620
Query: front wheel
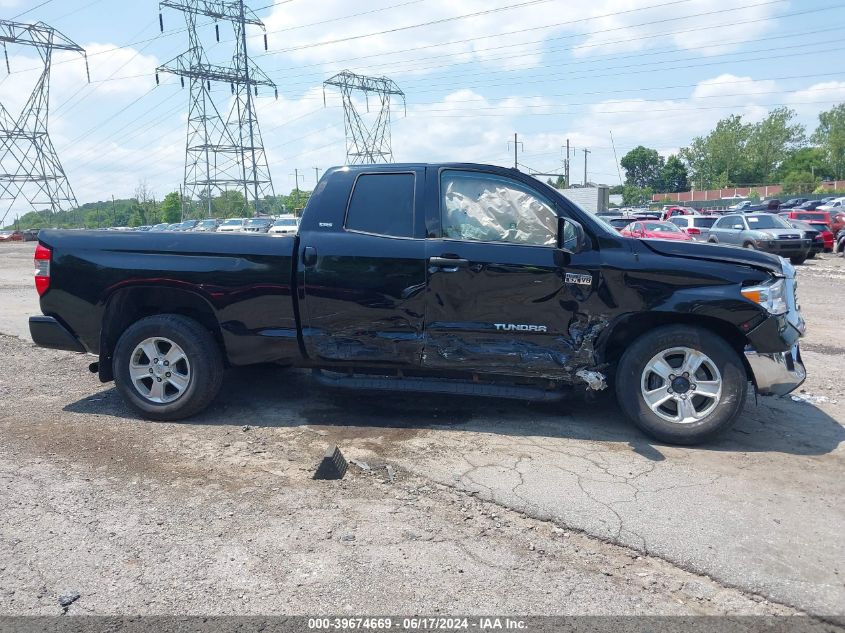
167, 367
798, 259
681, 384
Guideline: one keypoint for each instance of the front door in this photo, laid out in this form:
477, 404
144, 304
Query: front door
502, 298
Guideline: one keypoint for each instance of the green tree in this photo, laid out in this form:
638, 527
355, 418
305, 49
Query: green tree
171, 208
830, 137
770, 140
674, 176
719, 159
800, 182
636, 196
643, 167
229, 204
807, 159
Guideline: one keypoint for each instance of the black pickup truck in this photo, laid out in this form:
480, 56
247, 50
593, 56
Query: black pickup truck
456, 278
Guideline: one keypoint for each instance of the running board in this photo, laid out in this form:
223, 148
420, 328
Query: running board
436, 385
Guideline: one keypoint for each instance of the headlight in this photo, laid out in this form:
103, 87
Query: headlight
771, 296
766, 236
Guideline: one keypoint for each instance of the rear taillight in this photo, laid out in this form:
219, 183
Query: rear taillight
693, 231
42, 268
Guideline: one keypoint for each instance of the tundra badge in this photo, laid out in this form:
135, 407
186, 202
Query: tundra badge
520, 327
579, 278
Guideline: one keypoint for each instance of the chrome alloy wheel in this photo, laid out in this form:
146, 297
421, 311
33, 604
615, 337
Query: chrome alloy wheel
159, 370
681, 385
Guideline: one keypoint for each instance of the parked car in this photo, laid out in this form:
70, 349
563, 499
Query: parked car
696, 226
450, 287
837, 220
187, 225
232, 225
761, 231
11, 236
772, 206
839, 245
671, 212
817, 243
284, 225
617, 223
836, 205
160, 227
792, 203
207, 226
655, 231
257, 225
30, 235
143, 229
739, 206
809, 205
173, 227
818, 215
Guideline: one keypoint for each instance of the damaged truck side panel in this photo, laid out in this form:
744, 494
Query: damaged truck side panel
458, 278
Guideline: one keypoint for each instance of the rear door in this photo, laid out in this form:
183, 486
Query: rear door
362, 260
501, 297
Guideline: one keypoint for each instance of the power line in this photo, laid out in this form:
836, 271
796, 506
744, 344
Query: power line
37, 6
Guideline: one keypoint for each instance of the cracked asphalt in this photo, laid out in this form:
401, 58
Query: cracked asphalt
497, 506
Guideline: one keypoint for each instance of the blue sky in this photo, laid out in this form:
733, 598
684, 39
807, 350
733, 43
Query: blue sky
652, 72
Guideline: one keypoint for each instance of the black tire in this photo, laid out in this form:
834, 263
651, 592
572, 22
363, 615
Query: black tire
749, 245
630, 374
811, 255
798, 259
712, 240
201, 352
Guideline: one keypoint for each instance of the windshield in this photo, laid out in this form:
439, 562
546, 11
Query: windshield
207, 223
766, 222
233, 222
285, 222
810, 216
257, 222
819, 226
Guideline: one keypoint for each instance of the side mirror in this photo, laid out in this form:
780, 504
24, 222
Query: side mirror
570, 236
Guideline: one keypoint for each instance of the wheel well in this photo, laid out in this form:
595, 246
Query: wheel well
128, 305
626, 331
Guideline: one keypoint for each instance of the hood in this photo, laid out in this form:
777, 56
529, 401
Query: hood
716, 253
780, 232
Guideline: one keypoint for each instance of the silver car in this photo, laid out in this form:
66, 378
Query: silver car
696, 226
761, 231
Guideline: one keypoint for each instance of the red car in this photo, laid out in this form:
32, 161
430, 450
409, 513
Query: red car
677, 210
11, 236
651, 230
820, 220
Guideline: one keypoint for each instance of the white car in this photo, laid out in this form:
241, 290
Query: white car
837, 204
233, 225
285, 225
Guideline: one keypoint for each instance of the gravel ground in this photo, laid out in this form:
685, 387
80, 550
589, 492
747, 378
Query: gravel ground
220, 514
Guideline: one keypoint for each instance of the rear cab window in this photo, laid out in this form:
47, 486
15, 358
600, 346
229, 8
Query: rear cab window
382, 204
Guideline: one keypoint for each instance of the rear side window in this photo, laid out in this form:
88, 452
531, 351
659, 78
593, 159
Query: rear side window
680, 221
382, 204
704, 223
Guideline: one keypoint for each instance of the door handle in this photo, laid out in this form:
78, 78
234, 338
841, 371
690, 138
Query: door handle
448, 264
309, 256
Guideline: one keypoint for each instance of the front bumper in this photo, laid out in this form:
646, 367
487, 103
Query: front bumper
779, 373
776, 374
48, 332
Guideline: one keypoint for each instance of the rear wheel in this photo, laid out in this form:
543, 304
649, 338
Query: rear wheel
167, 367
681, 384
749, 245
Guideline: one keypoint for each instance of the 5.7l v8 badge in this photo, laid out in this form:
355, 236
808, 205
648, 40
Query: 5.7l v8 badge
582, 279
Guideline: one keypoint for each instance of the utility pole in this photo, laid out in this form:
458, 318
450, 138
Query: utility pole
366, 144
516, 144
586, 151
29, 165
113, 212
296, 176
566, 166
316, 175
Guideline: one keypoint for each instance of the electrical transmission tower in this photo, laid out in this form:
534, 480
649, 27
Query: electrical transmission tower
29, 164
221, 153
366, 143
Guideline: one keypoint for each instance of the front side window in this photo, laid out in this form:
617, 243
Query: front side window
479, 207
382, 204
